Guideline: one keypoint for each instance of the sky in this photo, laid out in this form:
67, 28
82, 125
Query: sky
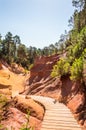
39, 23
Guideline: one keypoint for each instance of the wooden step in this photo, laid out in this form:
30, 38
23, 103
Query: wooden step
57, 115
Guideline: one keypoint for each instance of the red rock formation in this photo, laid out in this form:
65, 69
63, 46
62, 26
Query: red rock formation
15, 119
66, 91
42, 68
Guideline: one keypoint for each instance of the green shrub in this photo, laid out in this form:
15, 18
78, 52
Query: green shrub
61, 68
25, 126
3, 101
76, 69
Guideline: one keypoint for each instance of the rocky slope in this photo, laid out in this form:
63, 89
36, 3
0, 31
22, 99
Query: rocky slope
13, 111
71, 93
14, 114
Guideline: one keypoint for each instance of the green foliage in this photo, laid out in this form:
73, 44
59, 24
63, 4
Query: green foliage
76, 69
3, 101
61, 68
78, 44
31, 66
3, 107
74, 42
12, 50
2, 127
25, 126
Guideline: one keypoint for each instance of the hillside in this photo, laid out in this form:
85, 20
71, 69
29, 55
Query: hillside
11, 116
71, 93
39, 82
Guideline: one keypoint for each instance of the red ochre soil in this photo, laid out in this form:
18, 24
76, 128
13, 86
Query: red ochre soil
39, 82
64, 90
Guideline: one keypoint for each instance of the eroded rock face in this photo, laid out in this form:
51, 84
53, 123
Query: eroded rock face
77, 103
25, 104
64, 90
15, 119
17, 68
40, 80
42, 68
73, 95
20, 112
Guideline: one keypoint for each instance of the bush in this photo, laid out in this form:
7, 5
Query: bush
61, 68
77, 69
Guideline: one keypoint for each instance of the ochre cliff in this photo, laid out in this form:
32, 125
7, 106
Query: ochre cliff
71, 93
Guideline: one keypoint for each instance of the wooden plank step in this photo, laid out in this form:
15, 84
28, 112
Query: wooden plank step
59, 126
57, 115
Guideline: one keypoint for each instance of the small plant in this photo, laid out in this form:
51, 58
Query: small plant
3, 107
3, 100
2, 127
31, 66
25, 126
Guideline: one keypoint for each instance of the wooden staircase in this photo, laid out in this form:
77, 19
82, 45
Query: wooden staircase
57, 115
